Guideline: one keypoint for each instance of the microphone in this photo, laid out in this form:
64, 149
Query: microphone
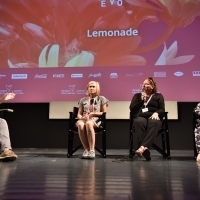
144, 90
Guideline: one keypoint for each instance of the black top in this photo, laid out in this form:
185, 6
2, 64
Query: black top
156, 104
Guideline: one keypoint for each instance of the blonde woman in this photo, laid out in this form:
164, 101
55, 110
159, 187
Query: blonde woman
90, 108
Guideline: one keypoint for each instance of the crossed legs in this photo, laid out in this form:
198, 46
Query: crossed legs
6, 153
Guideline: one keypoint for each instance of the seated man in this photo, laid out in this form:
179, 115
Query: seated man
6, 153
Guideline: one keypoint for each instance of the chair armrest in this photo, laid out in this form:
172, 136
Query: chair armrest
6, 110
103, 116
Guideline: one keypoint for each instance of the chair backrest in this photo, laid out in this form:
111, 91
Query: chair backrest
164, 127
73, 118
75, 111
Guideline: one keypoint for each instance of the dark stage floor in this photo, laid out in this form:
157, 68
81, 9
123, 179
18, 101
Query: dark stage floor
48, 174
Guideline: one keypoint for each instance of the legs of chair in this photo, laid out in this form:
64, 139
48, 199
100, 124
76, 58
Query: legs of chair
70, 143
71, 150
104, 144
131, 151
167, 144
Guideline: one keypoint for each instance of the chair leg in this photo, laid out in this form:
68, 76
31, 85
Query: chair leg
168, 144
75, 149
70, 144
131, 151
103, 150
99, 150
104, 144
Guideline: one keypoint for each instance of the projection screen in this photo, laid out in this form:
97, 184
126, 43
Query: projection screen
50, 49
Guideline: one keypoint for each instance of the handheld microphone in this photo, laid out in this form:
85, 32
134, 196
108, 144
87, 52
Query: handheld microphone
144, 90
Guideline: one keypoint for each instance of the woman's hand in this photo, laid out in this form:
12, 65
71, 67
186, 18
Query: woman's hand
91, 115
85, 117
155, 116
143, 95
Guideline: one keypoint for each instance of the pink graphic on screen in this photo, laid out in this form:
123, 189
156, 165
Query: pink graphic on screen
50, 50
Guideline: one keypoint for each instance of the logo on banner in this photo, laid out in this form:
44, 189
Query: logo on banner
134, 75
41, 76
72, 90
69, 91
159, 74
76, 75
97, 75
58, 75
178, 74
8, 89
134, 91
113, 75
196, 73
71, 87
19, 76
2, 76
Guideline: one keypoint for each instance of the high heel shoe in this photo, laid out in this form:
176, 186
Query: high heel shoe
147, 154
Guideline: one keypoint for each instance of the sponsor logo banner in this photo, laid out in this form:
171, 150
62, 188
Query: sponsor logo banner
97, 75
8, 89
71, 90
58, 75
19, 76
134, 74
113, 75
2, 76
76, 75
159, 74
41, 76
196, 73
178, 73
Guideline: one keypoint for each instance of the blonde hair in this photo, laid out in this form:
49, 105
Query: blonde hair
152, 83
97, 88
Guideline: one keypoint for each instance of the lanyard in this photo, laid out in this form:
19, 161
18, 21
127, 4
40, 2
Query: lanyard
146, 103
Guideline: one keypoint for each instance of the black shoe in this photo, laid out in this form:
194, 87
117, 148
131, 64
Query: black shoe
147, 155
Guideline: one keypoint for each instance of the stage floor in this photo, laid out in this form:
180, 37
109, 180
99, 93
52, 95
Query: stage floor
48, 174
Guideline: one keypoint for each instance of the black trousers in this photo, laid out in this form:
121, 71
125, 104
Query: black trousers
146, 130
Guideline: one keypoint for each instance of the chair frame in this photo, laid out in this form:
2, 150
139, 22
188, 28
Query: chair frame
163, 132
5, 111
74, 130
